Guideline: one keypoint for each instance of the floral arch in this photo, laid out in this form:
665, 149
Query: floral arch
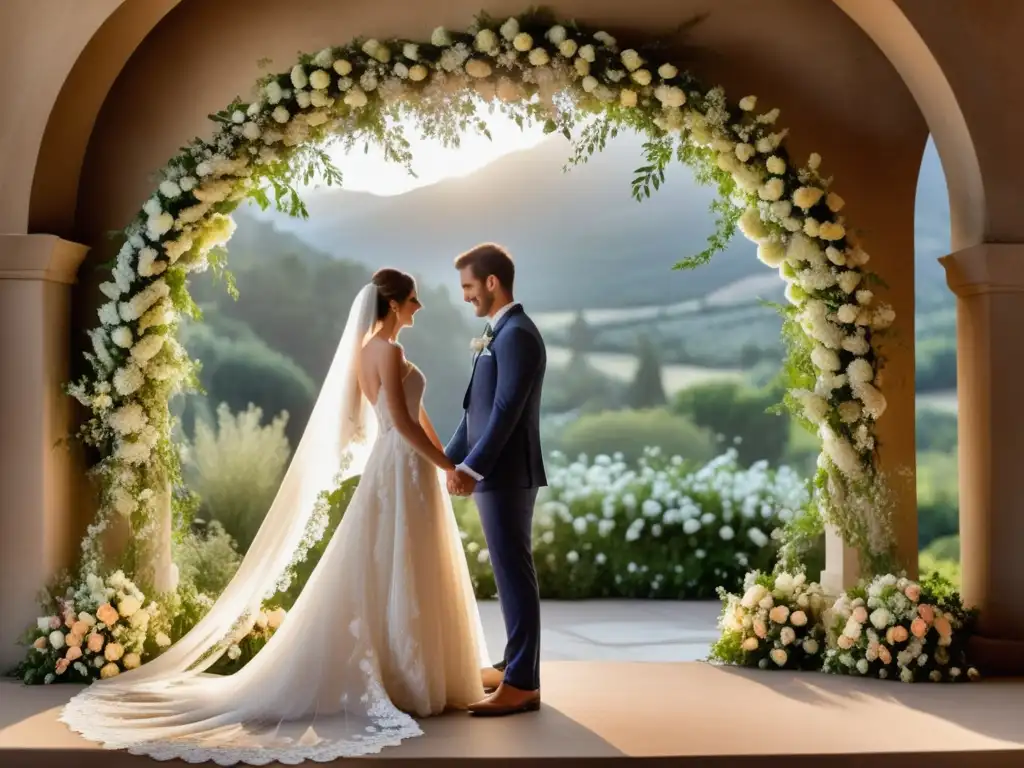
533, 69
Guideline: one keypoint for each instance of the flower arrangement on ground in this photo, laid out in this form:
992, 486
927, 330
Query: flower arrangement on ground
775, 624
895, 628
99, 630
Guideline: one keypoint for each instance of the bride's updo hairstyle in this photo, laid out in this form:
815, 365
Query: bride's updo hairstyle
392, 285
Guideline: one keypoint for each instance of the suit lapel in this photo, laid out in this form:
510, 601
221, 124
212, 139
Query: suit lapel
516, 310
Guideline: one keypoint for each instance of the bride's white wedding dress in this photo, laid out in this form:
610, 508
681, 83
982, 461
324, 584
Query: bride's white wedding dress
387, 627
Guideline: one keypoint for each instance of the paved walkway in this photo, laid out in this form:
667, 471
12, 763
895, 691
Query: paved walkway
615, 630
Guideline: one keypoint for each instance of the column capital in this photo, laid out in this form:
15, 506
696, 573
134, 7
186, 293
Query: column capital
40, 257
985, 268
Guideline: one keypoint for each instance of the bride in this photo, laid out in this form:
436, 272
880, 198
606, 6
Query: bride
387, 627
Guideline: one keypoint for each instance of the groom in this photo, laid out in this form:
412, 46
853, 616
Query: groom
498, 453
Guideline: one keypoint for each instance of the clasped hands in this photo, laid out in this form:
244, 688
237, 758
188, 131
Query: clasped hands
459, 483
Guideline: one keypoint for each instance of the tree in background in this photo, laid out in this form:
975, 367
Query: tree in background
236, 468
647, 389
581, 335
239, 368
732, 410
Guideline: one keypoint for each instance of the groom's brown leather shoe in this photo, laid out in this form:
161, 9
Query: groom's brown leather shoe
491, 678
507, 700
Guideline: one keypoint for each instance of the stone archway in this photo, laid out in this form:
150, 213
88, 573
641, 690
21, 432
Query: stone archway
92, 219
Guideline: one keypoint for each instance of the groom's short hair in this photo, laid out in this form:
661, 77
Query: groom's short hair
489, 259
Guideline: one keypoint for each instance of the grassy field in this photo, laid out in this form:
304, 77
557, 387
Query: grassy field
623, 367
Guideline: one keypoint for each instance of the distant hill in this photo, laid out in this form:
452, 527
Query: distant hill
579, 238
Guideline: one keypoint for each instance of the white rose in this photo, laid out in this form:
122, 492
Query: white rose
787, 635
568, 48
539, 57
357, 98
631, 59
582, 67
605, 39
234, 652
807, 197
627, 97
440, 37
298, 77
744, 152
641, 77
779, 656
747, 103
776, 165
772, 190
589, 83
56, 639
478, 68
667, 71
302, 98
810, 646
522, 42
510, 29
343, 67
771, 253
320, 79
486, 41
587, 53
251, 131
280, 114
274, 92
556, 34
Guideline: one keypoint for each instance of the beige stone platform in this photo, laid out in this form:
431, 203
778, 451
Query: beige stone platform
623, 713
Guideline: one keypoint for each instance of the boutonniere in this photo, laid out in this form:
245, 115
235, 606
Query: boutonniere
480, 344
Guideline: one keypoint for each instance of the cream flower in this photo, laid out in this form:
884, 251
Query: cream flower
667, 71
568, 48
343, 67
298, 77
539, 57
641, 77
631, 59
522, 42
776, 165
627, 97
357, 97
772, 190
478, 68
747, 103
779, 656
587, 53
418, 72
807, 197
510, 29
108, 671
440, 37
320, 80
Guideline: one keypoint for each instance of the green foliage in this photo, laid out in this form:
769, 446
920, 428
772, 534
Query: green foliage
236, 468
239, 369
647, 389
935, 363
735, 410
631, 432
579, 386
207, 558
942, 556
936, 431
937, 496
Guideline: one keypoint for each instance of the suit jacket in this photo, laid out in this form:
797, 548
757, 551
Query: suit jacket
499, 436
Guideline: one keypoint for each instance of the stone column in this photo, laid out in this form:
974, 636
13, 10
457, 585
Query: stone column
988, 280
37, 477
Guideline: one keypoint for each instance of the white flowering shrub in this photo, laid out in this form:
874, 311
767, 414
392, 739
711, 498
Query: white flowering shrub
893, 628
236, 466
660, 529
776, 623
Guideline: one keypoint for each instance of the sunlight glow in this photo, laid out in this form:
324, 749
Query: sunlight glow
370, 172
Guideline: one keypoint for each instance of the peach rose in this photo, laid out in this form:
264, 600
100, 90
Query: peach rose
860, 614
779, 614
73, 639
760, 629
899, 634
74, 653
62, 666
40, 643
131, 660
108, 671
750, 644
96, 642
884, 656
926, 612
113, 651
913, 592
80, 628
918, 627
54, 622
845, 642
107, 614
943, 627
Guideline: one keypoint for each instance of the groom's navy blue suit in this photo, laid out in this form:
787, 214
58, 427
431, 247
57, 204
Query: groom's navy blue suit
499, 440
